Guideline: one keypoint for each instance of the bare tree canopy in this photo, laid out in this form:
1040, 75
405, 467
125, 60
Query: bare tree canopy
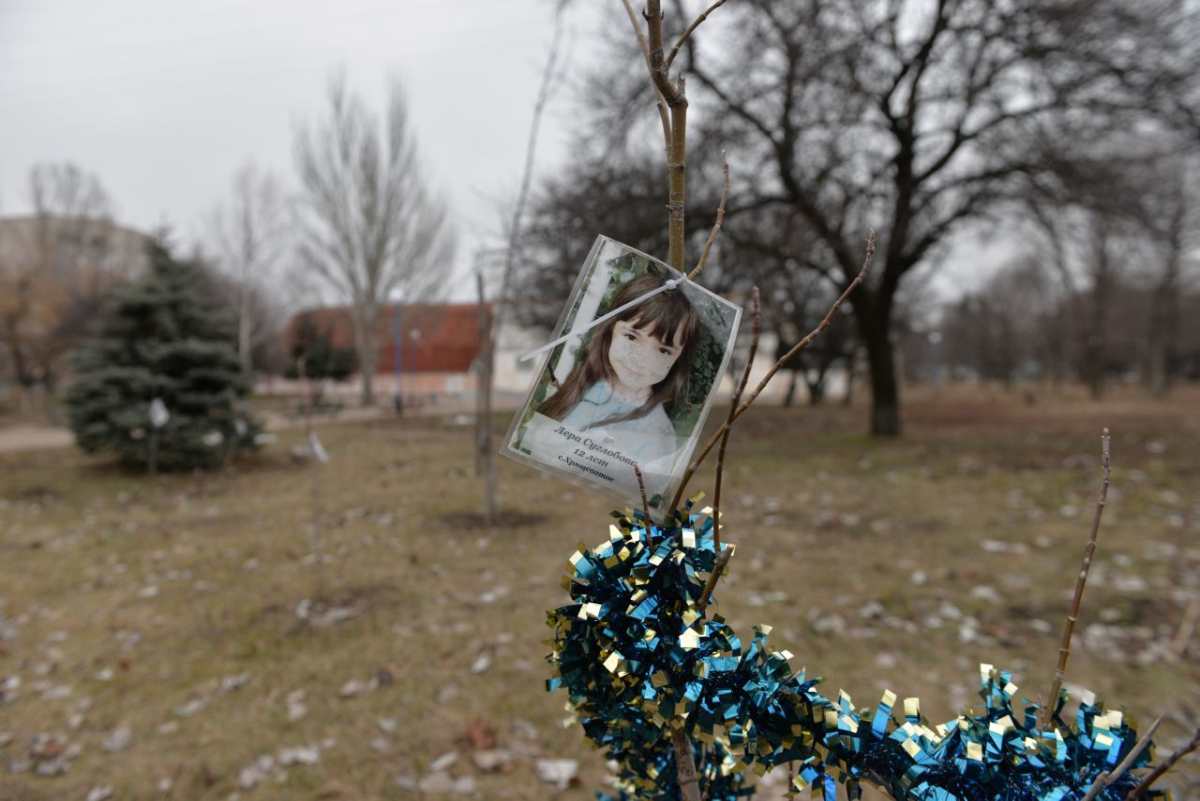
621, 199
251, 237
54, 267
915, 117
368, 226
68, 191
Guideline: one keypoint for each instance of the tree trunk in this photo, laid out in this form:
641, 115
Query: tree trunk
364, 336
1096, 349
1094, 366
367, 397
1164, 321
244, 349
789, 397
486, 447
816, 389
885, 387
872, 314
21, 369
485, 461
851, 363
1160, 370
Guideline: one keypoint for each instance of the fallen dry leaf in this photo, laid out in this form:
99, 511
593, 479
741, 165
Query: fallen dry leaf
480, 735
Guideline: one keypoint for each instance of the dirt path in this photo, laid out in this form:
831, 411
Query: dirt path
24, 437
17, 438
33, 438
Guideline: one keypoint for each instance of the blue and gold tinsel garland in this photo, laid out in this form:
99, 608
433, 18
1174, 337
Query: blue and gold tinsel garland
640, 658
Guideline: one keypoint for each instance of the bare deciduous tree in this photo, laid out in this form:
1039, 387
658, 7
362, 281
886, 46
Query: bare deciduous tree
622, 198
1103, 216
1005, 328
919, 117
250, 236
367, 224
1174, 225
54, 269
491, 320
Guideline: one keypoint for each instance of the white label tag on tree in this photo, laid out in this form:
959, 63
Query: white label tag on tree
627, 378
159, 416
317, 449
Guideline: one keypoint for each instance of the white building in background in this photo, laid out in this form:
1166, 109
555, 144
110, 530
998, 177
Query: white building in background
514, 377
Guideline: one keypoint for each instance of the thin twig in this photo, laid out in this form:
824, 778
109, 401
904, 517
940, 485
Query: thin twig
799, 346
716, 229
685, 768
1098, 785
1064, 647
677, 178
1108, 777
671, 92
675, 94
637, 471
314, 534
660, 101
756, 331
714, 577
1135, 752
690, 30
1156, 774
549, 72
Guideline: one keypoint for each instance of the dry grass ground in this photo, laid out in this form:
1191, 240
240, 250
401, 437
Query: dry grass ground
166, 609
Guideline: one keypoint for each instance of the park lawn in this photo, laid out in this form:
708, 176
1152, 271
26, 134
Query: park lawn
169, 605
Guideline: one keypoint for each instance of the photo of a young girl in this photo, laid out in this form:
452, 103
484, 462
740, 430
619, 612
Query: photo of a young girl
628, 389
635, 367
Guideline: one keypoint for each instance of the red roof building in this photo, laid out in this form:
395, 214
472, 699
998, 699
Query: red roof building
431, 338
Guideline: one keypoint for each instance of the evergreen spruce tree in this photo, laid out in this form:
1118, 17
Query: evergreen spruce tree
164, 336
313, 349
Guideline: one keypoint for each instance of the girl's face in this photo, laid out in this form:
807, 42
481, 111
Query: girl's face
639, 359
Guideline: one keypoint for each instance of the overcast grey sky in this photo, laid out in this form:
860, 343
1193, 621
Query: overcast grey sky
165, 99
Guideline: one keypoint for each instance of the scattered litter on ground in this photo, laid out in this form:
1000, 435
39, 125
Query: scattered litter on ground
559, 772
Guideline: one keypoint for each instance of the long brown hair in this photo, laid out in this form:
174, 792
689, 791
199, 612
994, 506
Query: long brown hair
668, 314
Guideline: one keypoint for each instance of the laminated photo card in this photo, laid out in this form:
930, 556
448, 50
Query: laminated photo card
628, 377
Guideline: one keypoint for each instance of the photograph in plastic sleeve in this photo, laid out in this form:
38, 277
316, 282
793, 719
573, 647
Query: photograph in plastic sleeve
632, 388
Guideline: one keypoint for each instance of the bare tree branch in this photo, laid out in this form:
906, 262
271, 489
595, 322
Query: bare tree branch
755, 332
491, 323
716, 229
696, 23
1064, 648
685, 768
671, 92
250, 239
799, 346
660, 101
711, 583
1168, 763
1106, 778
675, 95
641, 480
61, 260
